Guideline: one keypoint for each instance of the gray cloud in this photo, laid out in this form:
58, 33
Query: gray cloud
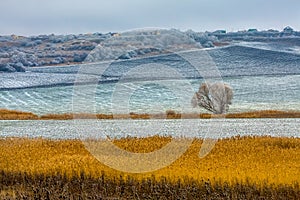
33, 17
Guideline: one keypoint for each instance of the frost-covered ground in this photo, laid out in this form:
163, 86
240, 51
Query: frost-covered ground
201, 128
261, 66
17, 53
261, 79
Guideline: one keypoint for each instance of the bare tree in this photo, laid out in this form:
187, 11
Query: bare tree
215, 97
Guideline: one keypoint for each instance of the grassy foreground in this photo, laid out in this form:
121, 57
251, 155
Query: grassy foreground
237, 168
169, 114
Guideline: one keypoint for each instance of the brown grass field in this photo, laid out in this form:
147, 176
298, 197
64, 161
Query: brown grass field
16, 115
236, 168
169, 114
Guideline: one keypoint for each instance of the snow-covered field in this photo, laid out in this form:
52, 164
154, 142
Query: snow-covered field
201, 128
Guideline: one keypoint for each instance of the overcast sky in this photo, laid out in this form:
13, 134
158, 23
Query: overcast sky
33, 17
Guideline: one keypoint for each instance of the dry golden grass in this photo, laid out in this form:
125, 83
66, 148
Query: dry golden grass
265, 114
142, 145
257, 160
16, 115
56, 117
170, 114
